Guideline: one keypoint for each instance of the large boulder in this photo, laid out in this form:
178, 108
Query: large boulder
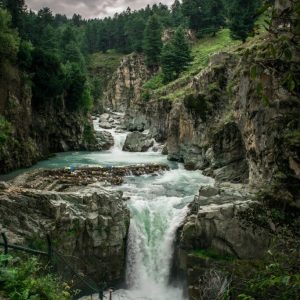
214, 225
105, 140
138, 142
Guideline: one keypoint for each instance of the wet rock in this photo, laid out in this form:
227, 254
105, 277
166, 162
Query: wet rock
106, 125
138, 142
105, 139
70, 179
4, 185
213, 224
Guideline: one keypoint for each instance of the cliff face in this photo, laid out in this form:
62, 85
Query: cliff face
87, 224
220, 124
125, 86
31, 134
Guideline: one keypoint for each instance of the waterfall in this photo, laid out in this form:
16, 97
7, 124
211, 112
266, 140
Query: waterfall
158, 205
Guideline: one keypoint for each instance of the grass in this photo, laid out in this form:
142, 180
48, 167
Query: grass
110, 60
208, 253
207, 46
200, 53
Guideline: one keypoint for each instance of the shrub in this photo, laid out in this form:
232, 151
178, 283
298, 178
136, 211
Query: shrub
22, 280
197, 105
5, 130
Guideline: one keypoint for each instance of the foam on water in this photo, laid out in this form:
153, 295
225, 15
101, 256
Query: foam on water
158, 205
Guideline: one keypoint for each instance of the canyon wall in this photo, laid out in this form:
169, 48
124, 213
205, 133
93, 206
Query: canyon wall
31, 134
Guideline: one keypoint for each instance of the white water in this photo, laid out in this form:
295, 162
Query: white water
158, 205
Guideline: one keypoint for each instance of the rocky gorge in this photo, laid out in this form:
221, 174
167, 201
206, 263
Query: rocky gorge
126, 213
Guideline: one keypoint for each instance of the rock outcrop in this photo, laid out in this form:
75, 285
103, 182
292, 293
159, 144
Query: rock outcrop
87, 227
125, 86
105, 140
138, 142
214, 233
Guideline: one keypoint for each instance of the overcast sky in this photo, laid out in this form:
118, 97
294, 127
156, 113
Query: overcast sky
91, 8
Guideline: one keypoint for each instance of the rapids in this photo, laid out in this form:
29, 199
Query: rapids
158, 205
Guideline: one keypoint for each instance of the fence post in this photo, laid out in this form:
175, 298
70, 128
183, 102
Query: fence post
5, 246
49, 244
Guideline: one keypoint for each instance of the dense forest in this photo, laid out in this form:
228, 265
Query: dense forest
53, 50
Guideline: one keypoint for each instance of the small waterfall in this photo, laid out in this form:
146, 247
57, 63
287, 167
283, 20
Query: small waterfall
119, 138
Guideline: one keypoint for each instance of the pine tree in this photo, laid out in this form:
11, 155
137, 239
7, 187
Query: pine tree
176, 55
177, 14
16, 9
168, 60
152, 42
214, 16
242, 17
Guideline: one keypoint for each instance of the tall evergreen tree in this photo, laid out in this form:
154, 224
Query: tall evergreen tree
152, 44
177, 14
176, 55
16, 9
242, 17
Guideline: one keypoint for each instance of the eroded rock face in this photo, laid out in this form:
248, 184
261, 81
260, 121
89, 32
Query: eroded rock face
138, 142
125, 86
88, 226
213, 224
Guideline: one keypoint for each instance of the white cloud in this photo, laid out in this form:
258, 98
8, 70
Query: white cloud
91, 8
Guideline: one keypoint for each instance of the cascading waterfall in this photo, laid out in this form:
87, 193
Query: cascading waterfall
158, 204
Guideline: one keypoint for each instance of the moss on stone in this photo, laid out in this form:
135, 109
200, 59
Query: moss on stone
212, 254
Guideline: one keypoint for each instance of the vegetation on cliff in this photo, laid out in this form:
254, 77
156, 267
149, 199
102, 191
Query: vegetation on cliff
27, 278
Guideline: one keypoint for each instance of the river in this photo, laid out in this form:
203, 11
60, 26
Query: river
158, 205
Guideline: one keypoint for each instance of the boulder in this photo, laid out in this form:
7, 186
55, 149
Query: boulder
137, 142
106, 125
213, 223
105, 140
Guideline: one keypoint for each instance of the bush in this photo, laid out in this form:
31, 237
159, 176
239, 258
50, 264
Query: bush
5, 130
197, 105
22, 280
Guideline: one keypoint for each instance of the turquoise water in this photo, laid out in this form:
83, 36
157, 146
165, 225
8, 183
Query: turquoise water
158, 205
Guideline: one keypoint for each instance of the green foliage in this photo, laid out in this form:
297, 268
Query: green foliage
212, 254
25, 55
197, 105
9, 40
176, 55
242, 17
16, 9
204, 16
5, 130
78, 93
155, 82
49, 78
152, 44
22, 280
276, 276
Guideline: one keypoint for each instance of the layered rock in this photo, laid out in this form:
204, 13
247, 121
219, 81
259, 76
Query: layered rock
125, 86
215, 230
88, 227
